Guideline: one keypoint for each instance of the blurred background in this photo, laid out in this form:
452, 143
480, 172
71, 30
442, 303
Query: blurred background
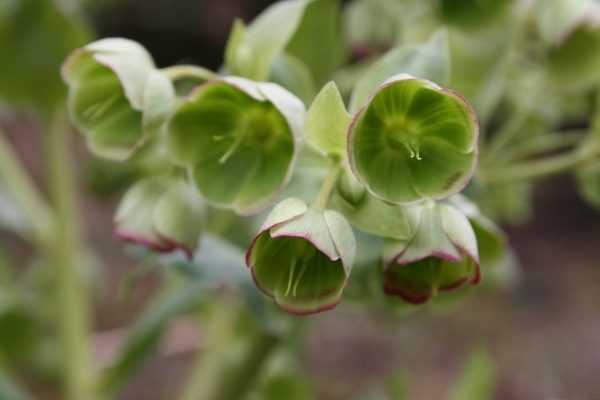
541, 328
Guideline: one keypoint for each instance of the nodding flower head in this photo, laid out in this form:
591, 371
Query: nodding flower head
302, 257
441, 254
414, 140
163, 214
239, 139
117, 98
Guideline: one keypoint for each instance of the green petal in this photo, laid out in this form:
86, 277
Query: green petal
299, 277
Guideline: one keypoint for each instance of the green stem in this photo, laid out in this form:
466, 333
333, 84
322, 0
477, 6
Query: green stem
545, 143
328, 186
212, 378
20, 185
541, 168
64, 250
193, 72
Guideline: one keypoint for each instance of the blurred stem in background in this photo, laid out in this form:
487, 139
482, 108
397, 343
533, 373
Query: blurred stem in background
55, 230
65, 255
214, 377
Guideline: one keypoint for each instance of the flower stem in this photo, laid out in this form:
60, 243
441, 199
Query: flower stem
20, 185
328, 186
179, 72
541, 168
545, 143
63, 251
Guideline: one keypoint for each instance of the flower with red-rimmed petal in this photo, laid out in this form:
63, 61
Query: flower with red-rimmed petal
440, 255
163, 214
302, 257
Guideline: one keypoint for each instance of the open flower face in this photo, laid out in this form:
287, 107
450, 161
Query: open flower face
302, 257
239, 139
162, 214
441, 255
414, 140
117, 98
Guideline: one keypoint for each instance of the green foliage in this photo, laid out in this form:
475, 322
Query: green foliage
477, 379
35, 38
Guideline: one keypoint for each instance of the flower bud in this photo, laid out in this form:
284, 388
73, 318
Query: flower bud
302, 257
239, 139
414, 140
117, 98
163, 214
441, 255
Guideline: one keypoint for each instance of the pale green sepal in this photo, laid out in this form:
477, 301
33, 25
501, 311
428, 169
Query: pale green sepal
284, 211
342, 237
458, 229
327, 122
158, 103
129, 60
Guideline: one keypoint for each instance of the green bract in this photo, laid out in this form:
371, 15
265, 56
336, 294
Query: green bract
302, 257
117, 98
441, 254
491, 241
413, 140
239, 139
164, 214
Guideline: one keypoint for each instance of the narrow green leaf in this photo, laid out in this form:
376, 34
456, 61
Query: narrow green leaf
327, 122
251, 51
478, 378
429, 60
147, 332
318, 40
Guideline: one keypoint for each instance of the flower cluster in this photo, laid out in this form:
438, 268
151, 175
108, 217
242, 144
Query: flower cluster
396, 164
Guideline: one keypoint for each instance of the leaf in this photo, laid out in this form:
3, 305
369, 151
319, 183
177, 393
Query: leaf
429, 60
327, 122
478, 378
293, 74
318, 40
251, 51
147, 332
35, 37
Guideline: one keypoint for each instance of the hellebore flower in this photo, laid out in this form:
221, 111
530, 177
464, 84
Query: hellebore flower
414, 140
441, 254
117, 97
302, 257
163, 214
239, 139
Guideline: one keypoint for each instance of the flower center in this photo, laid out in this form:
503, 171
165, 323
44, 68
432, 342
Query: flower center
400, 135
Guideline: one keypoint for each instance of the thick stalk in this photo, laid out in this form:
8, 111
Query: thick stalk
20, 185
71, 296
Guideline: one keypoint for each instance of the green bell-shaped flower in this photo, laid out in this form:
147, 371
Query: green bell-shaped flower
302, 257
413, 140
117, 97
239, 139
162, 213
441, 255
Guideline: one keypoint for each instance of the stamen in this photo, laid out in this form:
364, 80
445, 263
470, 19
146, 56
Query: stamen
232, 149
300, 275
95, 111
291, 277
